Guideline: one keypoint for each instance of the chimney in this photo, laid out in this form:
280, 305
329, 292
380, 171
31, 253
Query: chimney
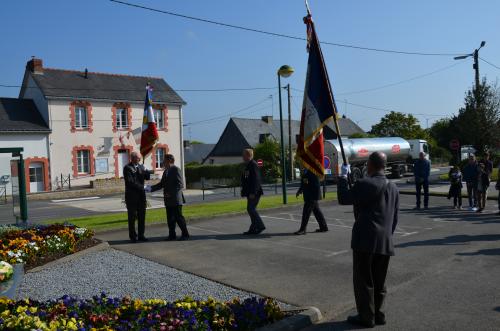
35, 65
268, 119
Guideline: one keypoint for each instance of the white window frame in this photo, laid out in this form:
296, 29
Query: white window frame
80, 159
159, 118
81, 122
122, 118
159, 160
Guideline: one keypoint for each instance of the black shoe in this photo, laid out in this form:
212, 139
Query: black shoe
170, 239
380, 319
416, 208
300, 233
322, 230
143, 239
356, 320
133, 240
426, 207
249, 233
183, 238
260, 230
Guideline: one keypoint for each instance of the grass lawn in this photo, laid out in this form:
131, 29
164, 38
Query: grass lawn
494, 175
194, 211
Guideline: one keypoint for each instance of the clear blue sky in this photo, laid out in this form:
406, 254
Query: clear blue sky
103, 36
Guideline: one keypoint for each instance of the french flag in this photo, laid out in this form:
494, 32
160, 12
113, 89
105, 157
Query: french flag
149, 135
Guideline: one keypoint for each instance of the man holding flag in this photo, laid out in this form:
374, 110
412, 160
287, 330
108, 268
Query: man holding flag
135, 174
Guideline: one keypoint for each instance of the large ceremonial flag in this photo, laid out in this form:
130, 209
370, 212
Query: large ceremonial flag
318, 107
149, 135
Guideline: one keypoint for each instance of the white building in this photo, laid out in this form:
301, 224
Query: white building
21, 125
95, 120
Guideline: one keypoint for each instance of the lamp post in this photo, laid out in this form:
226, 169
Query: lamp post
284, 71
475, 55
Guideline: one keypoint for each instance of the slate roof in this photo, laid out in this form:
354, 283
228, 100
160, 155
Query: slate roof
57, 83
241, 133
197, 152
20, 115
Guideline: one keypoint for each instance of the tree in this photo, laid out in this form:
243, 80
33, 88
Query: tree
397, 124
478, 121
361, 135
269, 152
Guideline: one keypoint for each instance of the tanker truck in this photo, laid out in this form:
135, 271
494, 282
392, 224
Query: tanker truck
401, 154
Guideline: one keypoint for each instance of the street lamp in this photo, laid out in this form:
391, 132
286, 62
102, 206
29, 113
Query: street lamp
284, 71
475, 55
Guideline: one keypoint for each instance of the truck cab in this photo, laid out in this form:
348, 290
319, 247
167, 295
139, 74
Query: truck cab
417, 146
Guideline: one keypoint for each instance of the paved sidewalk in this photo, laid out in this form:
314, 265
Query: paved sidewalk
444, 276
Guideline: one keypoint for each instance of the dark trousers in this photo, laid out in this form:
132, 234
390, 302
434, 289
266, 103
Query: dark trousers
457, 200
369, 272
472, 193
498, 200
174, 216
312, 207
255, 218
425, 186
136, 208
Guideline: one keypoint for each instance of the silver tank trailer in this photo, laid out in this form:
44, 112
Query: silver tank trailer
359, 149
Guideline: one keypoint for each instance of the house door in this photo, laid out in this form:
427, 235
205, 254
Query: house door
36, 177
123, 160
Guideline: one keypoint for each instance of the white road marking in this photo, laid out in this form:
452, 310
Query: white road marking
294, 221
337, 253
75, 199
125, 209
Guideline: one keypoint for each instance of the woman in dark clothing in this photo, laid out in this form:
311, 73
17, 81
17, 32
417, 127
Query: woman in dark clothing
482, 187
455, 177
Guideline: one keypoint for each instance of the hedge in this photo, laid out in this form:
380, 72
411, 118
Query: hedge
230, 171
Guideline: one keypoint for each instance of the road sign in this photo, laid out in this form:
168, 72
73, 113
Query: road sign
260, 163
454, 145
326, 162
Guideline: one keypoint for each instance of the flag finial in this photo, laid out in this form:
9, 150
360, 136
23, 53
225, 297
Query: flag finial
308, 9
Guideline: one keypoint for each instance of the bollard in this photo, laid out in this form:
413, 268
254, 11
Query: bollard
324, 189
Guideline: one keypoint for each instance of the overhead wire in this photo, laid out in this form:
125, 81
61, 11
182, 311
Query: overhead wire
281, 35
488, 62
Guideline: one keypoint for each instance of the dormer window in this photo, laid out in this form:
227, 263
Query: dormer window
81, 117
122, 118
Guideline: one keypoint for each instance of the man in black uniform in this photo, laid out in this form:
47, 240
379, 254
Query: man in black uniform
376, 204
135, 196
251, 189
172, 185
311, 190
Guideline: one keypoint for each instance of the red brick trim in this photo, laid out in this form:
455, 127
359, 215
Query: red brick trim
153, 154
45, 167
75, 163
165, 115
121, 105
117, 148
87, 106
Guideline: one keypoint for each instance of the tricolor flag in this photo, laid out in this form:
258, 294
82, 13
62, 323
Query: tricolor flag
318, 107
149, 135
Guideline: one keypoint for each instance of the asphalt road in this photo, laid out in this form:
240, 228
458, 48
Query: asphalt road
444, 275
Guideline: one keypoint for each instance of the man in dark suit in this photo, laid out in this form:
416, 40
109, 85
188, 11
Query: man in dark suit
135, 197
422, 171
172, 185
251, 189
310, 188
376, 204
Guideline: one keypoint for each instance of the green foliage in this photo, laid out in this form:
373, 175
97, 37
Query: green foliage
196, 142
195, 173
397, 124
192, 164
269, 152
362, 135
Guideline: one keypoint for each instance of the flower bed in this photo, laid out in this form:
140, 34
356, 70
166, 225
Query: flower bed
40, 244
6, 271
103, 313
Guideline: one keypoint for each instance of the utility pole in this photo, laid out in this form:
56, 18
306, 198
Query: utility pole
290, 157
475, 55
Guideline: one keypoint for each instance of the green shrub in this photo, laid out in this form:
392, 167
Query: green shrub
225, 171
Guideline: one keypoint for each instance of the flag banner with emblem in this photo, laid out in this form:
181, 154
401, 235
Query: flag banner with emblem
149, 135
318, 107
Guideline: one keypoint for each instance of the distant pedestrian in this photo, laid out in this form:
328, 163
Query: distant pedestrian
483, 184
498, 188
376, 205
135, 196
310, 188
488, 164
172, 184
251, 188
455, 177
422, 171
471, 175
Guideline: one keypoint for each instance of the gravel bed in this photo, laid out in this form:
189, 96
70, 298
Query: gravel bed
118, 274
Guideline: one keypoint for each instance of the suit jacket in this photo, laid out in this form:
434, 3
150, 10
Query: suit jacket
422, 169
310, 186
376, 205
250, 180
134, 182
172, 185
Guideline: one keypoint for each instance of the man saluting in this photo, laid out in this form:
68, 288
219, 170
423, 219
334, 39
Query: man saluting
376, 204
251, 189
135, 196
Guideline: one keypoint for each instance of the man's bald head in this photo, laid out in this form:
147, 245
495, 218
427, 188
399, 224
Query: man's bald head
135, 157
376, 162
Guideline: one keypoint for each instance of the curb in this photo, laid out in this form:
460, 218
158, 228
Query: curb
99, 247
305, 318
443, 194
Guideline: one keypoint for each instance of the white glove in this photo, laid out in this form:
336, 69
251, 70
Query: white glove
147, 188
345, 170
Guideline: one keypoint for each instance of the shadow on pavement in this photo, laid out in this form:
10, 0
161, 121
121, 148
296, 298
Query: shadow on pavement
493, 251
451, 240
334, 326
453, 215
497, 309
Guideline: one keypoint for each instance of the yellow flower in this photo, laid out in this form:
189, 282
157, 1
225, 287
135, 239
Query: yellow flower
21, 309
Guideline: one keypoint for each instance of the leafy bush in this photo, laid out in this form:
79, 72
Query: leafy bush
196, 173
